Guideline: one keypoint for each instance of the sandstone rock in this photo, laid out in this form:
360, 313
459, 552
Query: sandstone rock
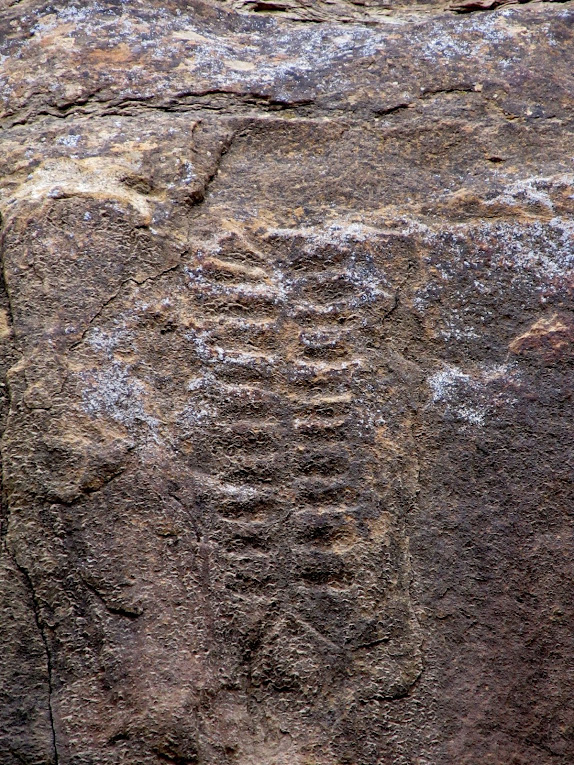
286, 325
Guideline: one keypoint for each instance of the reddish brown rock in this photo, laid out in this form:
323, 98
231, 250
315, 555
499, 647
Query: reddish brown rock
550, 339
286, 326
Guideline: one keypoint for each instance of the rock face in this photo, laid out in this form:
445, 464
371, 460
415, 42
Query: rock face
287, 345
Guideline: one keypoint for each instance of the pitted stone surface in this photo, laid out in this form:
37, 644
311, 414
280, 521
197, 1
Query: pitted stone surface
287, 339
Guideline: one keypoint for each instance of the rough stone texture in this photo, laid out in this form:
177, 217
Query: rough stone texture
287, 345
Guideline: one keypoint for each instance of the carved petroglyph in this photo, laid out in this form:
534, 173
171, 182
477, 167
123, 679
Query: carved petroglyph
275, 414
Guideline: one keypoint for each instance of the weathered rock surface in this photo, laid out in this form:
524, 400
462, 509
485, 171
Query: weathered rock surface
287, 345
